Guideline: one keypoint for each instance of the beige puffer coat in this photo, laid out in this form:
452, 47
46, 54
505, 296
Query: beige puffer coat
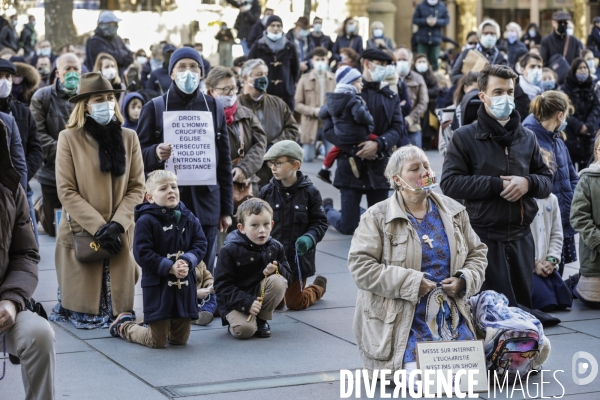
385, 263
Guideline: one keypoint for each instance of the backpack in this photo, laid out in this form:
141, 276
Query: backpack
514, 353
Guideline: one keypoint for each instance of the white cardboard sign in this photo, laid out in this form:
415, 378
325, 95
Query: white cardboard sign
454, 356
192, 137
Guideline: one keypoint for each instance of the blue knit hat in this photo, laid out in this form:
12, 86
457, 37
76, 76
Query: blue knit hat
346, 75
184, 52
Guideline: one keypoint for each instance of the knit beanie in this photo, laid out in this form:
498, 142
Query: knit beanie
346, 75
184, 52
273, 18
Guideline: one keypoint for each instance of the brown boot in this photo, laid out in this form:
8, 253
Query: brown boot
320, 281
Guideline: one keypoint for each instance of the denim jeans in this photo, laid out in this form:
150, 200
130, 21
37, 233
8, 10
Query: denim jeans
416, 138
346, 220
245, 47
209, 303
309, 152
32, 214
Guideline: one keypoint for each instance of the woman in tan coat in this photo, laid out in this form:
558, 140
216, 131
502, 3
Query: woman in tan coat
416, 260
100, 178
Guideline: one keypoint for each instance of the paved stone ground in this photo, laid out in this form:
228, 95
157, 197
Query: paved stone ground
93, 365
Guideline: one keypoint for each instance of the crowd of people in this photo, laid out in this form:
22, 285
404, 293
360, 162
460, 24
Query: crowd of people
514, 115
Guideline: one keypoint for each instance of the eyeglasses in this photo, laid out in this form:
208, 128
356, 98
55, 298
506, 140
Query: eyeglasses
191, 67
227, 90
277, 164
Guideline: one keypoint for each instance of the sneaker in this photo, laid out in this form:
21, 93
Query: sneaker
354, 167
115, 327
321, 281
325, 175
328, 202
263, 329
204, 318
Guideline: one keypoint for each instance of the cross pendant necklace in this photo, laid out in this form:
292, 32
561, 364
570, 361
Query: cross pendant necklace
428, 240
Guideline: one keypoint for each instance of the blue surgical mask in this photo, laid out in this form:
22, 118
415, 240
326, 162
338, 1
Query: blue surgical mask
303, 33
320, 65
187, 81
534, 76
46, 51
379, 74
274, 36
502, 106
402, 67
421, 67
390, 70
351, 28
317, 28
548, 85
562, 126
103, 113
591, 65
488, 41
532, 33
378, 33
511, 36
582, 77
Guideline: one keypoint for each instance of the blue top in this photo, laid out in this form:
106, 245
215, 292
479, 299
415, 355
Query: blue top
436, 315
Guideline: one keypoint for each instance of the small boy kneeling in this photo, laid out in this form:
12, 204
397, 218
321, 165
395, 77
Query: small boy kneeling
252, 273
168, 241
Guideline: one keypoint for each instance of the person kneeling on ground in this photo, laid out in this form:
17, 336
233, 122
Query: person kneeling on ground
205, 291
252, 273
168, 240
300, 221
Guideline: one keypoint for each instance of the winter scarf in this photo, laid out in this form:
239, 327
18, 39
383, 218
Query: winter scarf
111, 148
503, 135
230, 112
276, 45
530, 89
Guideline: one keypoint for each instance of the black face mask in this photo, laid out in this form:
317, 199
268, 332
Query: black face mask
562, 28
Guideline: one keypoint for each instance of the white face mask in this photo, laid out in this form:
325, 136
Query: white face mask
317, 28
142, 60
320, 65
228, 101
274, 36
109, 73
570, 31
5, 88
421, 67
432, 2
402, 67
534, 76
377, 33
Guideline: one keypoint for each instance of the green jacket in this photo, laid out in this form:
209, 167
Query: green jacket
585, 219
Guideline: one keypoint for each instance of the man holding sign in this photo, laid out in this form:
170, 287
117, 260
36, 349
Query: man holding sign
184, 131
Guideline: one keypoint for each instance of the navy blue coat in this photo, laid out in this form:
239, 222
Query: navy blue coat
565, 177
159, 80
17, 152
239, 271
387, 116
127, 122
297, 211
352, 122
114, 46
209, 202
430, 35
355, 42
515, 51
257, 31
157, 240
245, 20
322, 41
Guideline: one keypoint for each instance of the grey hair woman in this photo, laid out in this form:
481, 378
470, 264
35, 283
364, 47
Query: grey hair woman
416, 260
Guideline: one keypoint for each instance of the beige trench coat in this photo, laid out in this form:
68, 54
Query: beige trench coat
385, 263
93, 198
308, 95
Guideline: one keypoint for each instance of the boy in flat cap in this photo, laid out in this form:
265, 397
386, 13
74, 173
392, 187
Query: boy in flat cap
300, 221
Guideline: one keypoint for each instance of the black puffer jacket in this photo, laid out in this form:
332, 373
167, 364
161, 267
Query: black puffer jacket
239, 271
472, 169
245, 20
112, 45
298, 210
387, 116
587, 112
352, 122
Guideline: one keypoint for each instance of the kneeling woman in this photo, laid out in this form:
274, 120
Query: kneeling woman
416, 260
100, 178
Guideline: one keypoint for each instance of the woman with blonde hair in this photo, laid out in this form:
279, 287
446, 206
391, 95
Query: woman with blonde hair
107, 66
99, 180
548, 120
378, 40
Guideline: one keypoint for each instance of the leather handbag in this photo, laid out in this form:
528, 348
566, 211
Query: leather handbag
241, 191
87, 248
559, 64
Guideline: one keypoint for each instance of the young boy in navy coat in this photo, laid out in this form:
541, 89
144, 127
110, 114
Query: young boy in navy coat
252, 273
168, 245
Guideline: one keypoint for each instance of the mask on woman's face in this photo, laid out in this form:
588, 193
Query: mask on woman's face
17, 80
512, 36
261, 83
187, 81
228, 101
378, 33
562, 126
548, 85
488, 40
103, 113
582, 77
427, 184
109, 73
421, 67
141, 60
351, 28
532, 33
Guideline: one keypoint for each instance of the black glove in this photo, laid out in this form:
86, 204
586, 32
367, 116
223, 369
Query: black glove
109, 237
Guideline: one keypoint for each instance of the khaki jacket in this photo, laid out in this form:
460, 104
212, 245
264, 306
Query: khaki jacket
246, 125
308, 95
385, 263
417, 92
93, 198
203, 276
